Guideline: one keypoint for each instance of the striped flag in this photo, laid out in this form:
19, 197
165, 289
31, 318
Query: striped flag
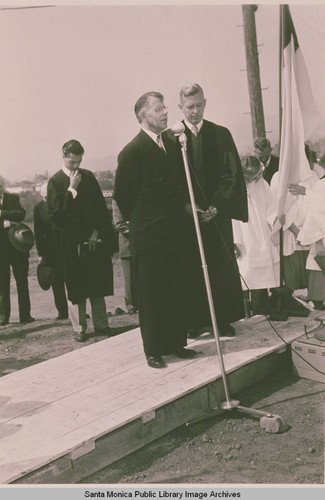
299, 115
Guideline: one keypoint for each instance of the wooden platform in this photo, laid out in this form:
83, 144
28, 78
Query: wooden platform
67, 417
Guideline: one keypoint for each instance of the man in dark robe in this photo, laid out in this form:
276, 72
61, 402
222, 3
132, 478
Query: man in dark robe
269, 162
220, 194
146, 193
11, 211
82, 231
46, 250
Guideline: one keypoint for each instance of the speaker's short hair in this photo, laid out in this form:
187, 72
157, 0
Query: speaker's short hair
190, 89
72, 147
143, 101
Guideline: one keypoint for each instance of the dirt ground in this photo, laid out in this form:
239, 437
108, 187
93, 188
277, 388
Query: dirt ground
230, 448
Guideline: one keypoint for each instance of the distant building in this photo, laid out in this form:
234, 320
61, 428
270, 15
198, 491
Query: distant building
14, 189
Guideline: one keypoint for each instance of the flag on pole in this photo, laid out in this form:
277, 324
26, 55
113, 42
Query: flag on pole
299, 115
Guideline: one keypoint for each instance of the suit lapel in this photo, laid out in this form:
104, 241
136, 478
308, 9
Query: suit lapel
158, 158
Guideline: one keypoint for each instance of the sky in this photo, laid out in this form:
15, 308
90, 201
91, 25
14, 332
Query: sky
76, 72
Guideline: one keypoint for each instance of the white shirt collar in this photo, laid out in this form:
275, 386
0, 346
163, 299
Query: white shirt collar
151, 134
66, 170
190, 126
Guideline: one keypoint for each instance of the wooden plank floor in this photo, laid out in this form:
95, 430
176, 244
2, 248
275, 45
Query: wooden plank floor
63, 406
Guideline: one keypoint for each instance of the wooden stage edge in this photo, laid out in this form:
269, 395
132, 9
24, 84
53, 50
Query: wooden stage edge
66, 418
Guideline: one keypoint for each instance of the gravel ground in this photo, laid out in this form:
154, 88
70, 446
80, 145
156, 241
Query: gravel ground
234, 449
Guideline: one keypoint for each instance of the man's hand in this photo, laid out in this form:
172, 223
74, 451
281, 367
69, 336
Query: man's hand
189, 211
282, 219
203, 215
320, 249
75, 179
208, 214
296, 189
92, 241
237, 251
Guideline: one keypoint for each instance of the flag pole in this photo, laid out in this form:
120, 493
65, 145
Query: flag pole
280, 126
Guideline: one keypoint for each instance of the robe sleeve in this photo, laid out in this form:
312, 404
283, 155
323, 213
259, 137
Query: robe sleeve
230, 196
313, 228
39, 232
60, 203
127, 182
101, 219
121, 224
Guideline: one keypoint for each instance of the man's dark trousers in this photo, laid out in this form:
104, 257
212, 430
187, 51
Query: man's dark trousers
19, 261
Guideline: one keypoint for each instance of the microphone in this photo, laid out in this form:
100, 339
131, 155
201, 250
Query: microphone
178, 128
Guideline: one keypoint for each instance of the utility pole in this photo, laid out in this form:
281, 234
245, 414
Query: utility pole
253, 71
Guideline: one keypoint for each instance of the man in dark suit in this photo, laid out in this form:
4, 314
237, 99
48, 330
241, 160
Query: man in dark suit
82, 230
220, 193
11, 211
146, 193
263, 152
46, 250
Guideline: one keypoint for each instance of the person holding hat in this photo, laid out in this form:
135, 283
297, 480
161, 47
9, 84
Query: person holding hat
16, 239
48, 271
83, 237
269, 162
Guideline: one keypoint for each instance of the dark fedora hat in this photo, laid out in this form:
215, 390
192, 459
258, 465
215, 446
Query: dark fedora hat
21, 237
45, 276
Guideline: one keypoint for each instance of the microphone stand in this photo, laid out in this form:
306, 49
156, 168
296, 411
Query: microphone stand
270, 422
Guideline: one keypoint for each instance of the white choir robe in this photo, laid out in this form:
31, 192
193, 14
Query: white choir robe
259, 260
313, 228
296, 214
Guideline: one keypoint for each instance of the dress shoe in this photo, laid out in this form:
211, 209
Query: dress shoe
318, 305
193, 333
227, 331
183, 353
156, 362
4, 322
27, 320
132, 310
105, 332
80, 336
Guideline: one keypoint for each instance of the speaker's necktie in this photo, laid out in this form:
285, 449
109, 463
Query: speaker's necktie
160, 143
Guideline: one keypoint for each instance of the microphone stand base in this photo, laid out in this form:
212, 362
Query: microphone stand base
271, 423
